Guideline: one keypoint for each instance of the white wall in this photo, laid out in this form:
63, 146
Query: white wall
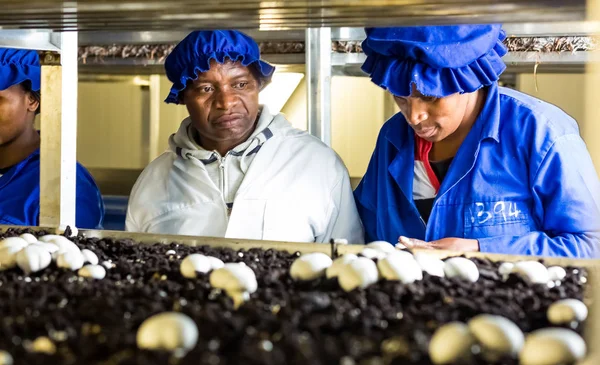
171, 115
295, 109
563, 90
576, 95
109, 129
357, 114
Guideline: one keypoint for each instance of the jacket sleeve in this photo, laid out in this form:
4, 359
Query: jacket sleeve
368, 215
566, 205
132, 218
130, 225
365, 194
345, 222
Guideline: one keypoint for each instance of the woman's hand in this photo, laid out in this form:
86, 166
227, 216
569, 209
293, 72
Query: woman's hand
449, 243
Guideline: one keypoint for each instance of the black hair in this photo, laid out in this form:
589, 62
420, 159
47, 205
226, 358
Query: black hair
26, 85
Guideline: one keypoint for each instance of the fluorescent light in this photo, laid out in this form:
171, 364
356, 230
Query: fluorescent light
277, 93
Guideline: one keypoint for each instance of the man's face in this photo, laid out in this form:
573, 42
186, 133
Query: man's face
223, 103
433, 119
17, 110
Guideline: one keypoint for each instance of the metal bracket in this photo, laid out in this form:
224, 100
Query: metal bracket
318, 72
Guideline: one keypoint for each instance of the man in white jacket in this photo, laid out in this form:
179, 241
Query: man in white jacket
233, 169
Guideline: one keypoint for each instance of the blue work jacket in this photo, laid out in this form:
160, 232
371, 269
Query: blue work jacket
522, 182
20, 196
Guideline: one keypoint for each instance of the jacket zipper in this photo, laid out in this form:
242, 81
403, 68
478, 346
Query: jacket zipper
223, 173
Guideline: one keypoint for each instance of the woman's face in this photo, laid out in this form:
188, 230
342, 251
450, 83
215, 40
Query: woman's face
17, 113
434, 119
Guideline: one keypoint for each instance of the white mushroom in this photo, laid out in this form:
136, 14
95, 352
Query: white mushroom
6, 358
33, 259
215, 263
237, 280
552, 346
107, 265
532, 271
566, 311
556, 273
197, 263
430, 264
359, 273
310, 266
170, 253
92, 271
9, 247
170, 331
336, 267
72, 260
51, 248
29, 238
63, 243
13, 242
451, 344
462, 268
505, 269
43, 345
89, 256
381, 246
499, 336
372, 253
400, 266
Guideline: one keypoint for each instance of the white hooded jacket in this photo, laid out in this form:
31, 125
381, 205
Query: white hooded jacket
282, 184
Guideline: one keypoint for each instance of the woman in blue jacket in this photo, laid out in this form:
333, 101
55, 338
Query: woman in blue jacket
467, 165
20, 74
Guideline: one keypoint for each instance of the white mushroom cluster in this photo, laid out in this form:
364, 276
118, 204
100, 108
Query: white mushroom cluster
31, 255
354, 271
197, 263
310, 266
497, 337
237, 280
533, 272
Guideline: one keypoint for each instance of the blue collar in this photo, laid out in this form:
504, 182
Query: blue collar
7, 177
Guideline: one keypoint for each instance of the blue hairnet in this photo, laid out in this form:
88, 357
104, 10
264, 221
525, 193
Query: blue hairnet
438, 60
17, 66
193, 54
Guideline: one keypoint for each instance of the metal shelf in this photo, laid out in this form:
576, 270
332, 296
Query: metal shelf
109, 15
42, 40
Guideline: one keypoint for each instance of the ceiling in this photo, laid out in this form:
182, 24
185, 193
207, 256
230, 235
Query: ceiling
118, 15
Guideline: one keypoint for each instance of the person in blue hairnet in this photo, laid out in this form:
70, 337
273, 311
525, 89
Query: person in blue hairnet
234, 169
467, 165
20, 74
